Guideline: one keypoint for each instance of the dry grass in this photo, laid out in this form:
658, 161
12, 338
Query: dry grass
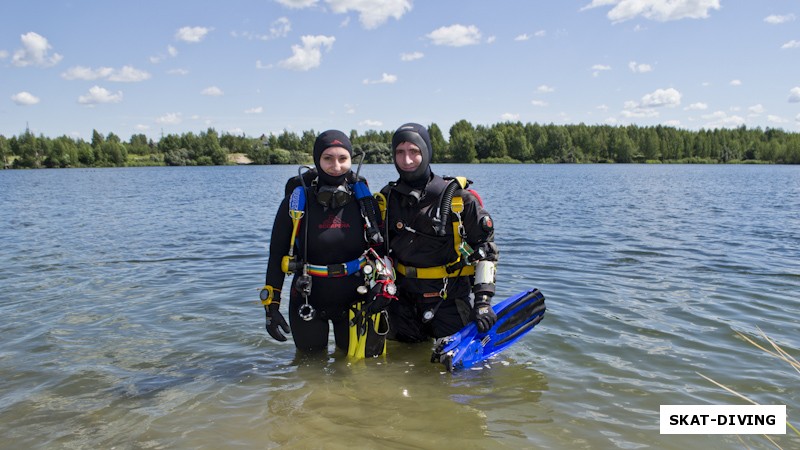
775, 351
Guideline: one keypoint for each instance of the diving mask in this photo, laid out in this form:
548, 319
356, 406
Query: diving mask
333, 196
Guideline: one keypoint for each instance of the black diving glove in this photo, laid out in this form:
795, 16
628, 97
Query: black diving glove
482, 313
380, 296
276, 322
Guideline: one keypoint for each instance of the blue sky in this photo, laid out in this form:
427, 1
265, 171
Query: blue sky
255, 67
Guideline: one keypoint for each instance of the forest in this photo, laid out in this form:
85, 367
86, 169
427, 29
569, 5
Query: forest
507, 142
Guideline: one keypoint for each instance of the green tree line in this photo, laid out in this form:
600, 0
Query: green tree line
507, 142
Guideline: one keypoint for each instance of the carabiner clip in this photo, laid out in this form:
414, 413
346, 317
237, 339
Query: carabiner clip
443, 292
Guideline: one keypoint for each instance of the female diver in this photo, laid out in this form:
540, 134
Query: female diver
322, 234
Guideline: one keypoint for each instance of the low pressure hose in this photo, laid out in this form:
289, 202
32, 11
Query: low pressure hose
440, 223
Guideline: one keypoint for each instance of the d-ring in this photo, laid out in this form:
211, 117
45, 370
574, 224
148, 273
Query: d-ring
306, 312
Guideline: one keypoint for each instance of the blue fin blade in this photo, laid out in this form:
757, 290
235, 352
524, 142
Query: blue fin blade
516, 316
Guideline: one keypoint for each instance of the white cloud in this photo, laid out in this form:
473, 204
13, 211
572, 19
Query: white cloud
756, 109
372, 13
128, 74
125, 74
192, 34
509, 117
597, 68
97, 95
632, 110
491, 39
170, 119
522, 37
25, 98
278, 29
699, 106
602, 107
308, 56
776, 119
672, 123
736, 82
794, 95
720, 119
777, 20
142, 127
212, 91
371, 123
791, 44
296, 4
455, 35
639, 67
662, 97
385, 79
349, 109
86, 73
540, 33
35, 51
658, 10
545, 89
411, 56
538, 103
256, 110
171, 52
3, 54
647, 107
178, 72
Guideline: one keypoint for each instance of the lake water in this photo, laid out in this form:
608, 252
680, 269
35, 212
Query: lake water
129, 315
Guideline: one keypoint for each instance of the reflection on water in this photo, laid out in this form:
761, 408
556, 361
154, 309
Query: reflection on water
130, 317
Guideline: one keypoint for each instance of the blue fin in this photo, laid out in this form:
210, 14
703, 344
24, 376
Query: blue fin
516, 316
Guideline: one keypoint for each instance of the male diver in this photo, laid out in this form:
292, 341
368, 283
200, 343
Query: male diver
441, 240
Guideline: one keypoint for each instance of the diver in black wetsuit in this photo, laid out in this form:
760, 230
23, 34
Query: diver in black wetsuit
329, 253
445, 263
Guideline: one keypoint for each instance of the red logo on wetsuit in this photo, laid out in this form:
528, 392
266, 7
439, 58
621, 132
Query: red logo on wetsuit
333, 221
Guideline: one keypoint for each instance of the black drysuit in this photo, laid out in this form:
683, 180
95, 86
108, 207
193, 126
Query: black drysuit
413, 242
325, 236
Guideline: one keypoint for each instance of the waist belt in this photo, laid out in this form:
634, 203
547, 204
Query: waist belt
337, 270
430, 273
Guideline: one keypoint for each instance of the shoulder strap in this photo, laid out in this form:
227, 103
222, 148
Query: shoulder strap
294, 182
360, 190
369, 212
380, 199
463, 182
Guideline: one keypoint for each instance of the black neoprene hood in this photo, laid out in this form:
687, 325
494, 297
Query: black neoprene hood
327, 139
417, 135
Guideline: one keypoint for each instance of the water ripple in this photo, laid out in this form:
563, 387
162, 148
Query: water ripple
131, 319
